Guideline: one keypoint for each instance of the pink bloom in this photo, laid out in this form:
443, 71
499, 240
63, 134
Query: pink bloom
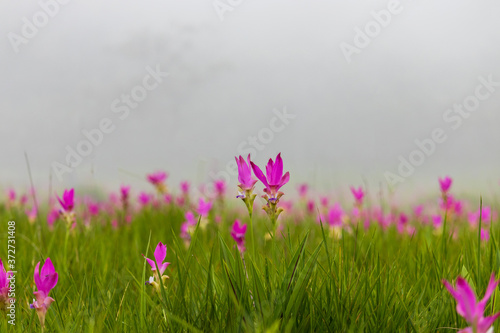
358, 195
144, 198
124, 191
4, 286
445, 184
45, 281
23, 200
238, 233
188, 225
324, 201
160, 254
53, 216
245, 174
93, 208
469, 307
167, 198
437, 220
68, 200
220, 187
156, 178
310, 206
185, 187
335, 215
31, 214
303, 188
274, 178
11, 194
485, 235
204, 207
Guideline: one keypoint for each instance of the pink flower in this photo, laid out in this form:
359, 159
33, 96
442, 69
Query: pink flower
160, 254
144, 198
11, 194
31, 214
204, 207
124, 195
4, 286
445, 184
220, 187
274, 178
238, 233
335, 215
245, 174
68, 200
468, 306
45, 281
310, 206
303, 188
187, 226
185, 187
157, 179
53, 216
437, 220
93, 208
358, 195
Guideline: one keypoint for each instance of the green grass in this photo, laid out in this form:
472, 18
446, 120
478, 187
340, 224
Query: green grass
368, 280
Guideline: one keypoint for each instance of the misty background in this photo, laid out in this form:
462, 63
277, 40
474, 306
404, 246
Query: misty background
225, 78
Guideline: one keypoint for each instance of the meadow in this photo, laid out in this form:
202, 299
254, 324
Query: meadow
308, 262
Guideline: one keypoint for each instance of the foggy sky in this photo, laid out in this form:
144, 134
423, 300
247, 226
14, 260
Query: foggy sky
225, 78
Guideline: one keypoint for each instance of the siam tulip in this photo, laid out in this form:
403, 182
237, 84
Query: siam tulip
238, 233
273, 180
185, 186
310, 206
335, 219
188, 227
303, 188
45, 281
445, 185
160, 254
53, 216
124, 195
204, 207
67, 203
23, 200
247, 183
5, 276
31, 214
157, 179
472, 309
220, 188
358, 194
144, 199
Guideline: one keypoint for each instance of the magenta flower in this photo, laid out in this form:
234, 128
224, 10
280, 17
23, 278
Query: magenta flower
31, 214
68, 200
160, 254
187, 226
124, 192
437, 221
335, 215
303, 188
157, 179
238, 233
274, 178
445, 184
220, 187
4, 287
11, 194
204, 207
468, 306
185, 186
53, 216
45, 281
358, 194
245, 178
144, 198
